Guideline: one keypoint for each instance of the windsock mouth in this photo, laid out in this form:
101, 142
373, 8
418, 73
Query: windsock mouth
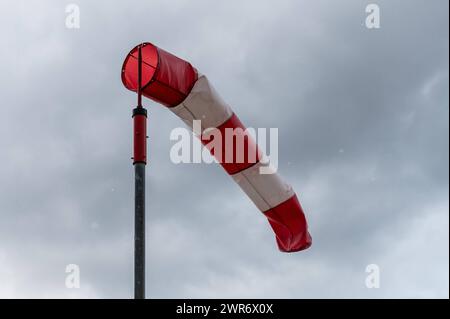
166, 78
150, 62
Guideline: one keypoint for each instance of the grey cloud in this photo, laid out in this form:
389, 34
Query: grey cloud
363, 121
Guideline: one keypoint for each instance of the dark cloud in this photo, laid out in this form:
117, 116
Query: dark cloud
363, 123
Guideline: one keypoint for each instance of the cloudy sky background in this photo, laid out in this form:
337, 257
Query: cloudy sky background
363, 124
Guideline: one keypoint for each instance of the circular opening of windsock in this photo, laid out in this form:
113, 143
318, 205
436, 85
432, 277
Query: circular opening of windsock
166, 78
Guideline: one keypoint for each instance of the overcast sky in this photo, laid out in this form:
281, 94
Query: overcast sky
363, 125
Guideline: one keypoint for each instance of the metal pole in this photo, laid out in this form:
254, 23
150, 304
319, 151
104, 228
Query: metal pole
139, 231
139, 161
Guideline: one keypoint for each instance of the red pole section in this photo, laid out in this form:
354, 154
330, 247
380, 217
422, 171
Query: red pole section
176, 84
139, 136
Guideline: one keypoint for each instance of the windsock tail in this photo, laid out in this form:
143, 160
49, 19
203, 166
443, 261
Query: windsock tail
289, 224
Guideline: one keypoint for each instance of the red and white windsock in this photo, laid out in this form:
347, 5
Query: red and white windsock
176, 84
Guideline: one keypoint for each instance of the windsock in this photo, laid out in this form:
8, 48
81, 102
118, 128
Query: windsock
176, 84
